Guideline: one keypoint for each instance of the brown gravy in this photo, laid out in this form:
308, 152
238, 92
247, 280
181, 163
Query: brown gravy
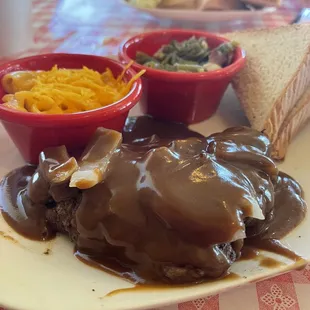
269, 262
252, 253
20, 213
274, 246
110, 266
7, 237
169, 210
157, 287
249, 253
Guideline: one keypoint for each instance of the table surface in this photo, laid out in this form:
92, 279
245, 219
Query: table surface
98, 27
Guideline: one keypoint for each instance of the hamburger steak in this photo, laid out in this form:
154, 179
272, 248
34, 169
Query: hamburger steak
163, 202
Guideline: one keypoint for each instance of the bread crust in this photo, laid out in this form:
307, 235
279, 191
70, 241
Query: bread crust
293, 91
293, 124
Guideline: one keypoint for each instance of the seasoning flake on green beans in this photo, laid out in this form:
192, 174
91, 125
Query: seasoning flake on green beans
192, 55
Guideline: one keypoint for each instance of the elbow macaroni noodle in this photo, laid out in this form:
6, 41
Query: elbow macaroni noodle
60, 91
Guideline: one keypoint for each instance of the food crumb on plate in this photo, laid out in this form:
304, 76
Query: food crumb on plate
47, 252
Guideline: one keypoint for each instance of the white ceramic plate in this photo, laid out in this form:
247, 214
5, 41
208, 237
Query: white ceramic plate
31, 280
204, 16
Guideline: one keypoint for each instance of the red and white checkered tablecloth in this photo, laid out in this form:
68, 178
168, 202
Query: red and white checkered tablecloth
97, 27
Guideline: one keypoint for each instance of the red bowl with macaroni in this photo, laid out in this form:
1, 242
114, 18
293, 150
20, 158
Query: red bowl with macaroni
32, 132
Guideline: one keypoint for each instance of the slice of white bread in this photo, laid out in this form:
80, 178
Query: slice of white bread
294, 122
276, 75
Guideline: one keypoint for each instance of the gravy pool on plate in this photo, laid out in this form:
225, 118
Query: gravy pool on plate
163, 203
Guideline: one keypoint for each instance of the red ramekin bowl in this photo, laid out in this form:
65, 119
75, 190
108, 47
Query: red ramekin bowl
175, 96
33, 132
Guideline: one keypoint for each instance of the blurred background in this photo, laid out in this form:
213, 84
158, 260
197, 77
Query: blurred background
99, 26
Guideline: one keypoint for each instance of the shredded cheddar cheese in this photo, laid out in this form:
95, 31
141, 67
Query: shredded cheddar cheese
60, 91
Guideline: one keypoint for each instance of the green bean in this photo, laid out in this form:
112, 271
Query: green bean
142, 58
211, 67
171, 68
192, 55
185, 62
161, 54
189, 68
153, 64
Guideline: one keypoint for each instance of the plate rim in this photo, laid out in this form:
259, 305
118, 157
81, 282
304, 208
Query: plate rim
265, 10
